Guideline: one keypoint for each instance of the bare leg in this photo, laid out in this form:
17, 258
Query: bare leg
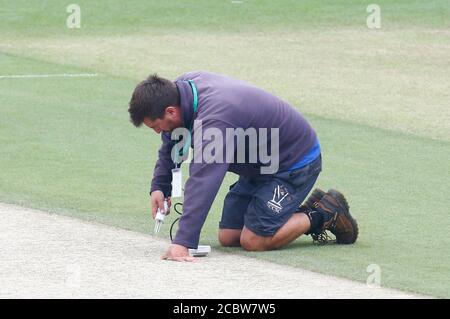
230, 237
297, 225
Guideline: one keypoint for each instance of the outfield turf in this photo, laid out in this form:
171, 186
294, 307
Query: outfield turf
379, 100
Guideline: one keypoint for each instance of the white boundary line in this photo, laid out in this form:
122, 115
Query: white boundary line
61, 75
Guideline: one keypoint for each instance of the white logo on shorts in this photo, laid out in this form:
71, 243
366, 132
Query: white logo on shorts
279, 194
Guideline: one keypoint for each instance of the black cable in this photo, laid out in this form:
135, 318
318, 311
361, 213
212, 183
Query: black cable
179, 212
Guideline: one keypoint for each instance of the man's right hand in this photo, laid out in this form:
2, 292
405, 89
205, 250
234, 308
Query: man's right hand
157, 201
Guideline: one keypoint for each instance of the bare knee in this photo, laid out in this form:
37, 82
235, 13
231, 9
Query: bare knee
230, 237
252, 242
250, 245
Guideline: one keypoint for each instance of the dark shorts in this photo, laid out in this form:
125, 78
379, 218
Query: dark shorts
265, 203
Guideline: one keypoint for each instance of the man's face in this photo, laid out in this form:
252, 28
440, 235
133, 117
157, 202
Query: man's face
170, 121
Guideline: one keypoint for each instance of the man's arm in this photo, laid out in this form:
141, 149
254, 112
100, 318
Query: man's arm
162, 175
201, 188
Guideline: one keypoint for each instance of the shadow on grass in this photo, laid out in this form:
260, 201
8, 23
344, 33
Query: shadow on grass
304, 246
297, 246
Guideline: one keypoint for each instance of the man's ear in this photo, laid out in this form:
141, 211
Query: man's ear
172, 110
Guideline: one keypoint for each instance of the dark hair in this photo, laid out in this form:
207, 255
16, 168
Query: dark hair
150, 99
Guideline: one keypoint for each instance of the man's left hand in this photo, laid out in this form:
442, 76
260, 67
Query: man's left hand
177, 253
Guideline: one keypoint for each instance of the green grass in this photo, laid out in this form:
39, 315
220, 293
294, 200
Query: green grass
360, 76
104, 16
378, 99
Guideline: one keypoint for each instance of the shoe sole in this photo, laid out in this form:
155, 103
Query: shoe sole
341, 198
343, 202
